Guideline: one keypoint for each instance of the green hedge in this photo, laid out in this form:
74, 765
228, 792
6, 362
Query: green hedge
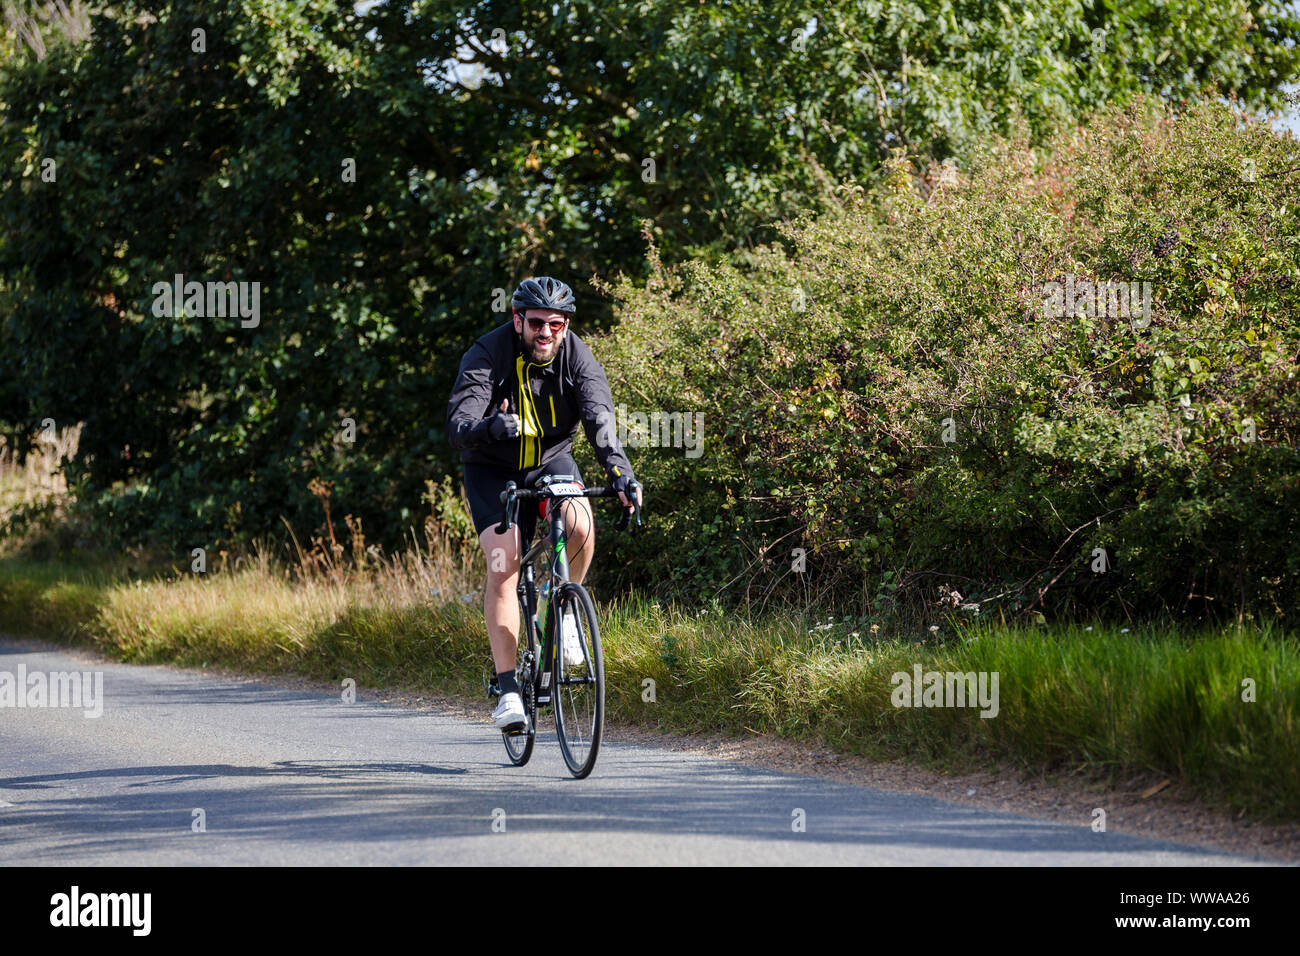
893, 393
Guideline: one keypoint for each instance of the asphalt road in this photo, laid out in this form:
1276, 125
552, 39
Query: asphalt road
292, 777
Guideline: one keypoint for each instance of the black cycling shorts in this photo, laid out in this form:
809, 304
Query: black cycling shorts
484, 484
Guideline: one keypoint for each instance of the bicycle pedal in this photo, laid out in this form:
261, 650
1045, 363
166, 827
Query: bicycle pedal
515, 730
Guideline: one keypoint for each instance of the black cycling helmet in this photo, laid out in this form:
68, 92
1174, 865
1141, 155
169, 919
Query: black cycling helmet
544, 292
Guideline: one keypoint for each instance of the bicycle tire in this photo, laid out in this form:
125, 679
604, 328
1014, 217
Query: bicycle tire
519, 746
579, 706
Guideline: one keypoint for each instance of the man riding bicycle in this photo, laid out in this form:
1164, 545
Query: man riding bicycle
520, 393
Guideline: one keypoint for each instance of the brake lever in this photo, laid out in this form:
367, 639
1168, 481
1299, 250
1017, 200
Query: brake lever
636, 509
507, 498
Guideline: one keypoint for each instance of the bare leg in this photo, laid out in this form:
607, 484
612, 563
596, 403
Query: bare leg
580, 535
500, 603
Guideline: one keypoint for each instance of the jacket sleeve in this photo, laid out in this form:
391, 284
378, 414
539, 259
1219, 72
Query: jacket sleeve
596, 407
468, 412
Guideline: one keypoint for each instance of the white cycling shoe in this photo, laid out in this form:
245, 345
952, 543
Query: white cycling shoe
573, 656
509, 714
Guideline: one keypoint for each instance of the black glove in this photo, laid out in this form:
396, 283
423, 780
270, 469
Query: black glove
621, 483
503, 425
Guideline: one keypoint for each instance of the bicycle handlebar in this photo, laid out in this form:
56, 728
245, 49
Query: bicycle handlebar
514, 494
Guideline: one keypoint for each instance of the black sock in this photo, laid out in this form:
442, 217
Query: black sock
507, 682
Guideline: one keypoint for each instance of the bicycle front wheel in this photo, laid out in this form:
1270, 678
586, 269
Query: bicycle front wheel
579, 692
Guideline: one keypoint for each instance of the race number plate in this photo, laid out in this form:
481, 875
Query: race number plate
563, 489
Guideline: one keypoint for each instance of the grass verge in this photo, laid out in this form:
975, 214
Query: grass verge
1068, 697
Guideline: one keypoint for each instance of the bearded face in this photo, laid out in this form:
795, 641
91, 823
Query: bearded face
541, 339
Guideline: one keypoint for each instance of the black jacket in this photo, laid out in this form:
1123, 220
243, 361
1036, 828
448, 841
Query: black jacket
570, 388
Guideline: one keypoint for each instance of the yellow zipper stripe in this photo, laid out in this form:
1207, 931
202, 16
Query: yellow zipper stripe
530, 452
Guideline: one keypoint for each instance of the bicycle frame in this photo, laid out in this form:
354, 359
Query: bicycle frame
527, 593
540, 650
526, 589
560, 565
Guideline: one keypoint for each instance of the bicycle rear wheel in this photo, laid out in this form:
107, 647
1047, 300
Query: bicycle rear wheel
579, 691
519, 745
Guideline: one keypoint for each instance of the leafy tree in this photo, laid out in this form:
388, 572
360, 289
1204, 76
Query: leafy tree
491, 141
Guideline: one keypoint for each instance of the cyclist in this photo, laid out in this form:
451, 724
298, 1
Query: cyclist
520, 393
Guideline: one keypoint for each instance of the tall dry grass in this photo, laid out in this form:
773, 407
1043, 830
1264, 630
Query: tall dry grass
37, 477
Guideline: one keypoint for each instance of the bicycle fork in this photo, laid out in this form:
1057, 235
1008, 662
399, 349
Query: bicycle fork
559, 574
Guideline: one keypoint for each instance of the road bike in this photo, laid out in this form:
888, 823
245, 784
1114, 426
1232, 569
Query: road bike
575, 692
